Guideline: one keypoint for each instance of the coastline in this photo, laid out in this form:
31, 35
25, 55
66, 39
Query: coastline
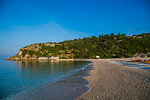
69, 88
110, 80
105, 80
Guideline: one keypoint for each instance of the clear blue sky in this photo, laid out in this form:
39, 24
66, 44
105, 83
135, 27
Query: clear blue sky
23, 22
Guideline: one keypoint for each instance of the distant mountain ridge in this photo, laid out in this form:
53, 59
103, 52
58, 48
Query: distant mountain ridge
104, 46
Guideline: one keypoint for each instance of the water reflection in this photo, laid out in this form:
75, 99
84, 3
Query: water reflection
19, 76
36, 69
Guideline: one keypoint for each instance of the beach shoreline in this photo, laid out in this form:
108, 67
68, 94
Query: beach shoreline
68, 88
110, 80
105, 80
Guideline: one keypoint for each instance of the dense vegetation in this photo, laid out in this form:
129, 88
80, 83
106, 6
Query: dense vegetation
105, 46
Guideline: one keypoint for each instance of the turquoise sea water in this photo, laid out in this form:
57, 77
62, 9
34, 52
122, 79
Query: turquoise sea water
18, 77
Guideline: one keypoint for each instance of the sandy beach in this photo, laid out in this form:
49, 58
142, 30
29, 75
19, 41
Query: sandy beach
111, 81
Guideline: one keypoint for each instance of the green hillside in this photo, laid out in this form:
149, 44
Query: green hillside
105, 46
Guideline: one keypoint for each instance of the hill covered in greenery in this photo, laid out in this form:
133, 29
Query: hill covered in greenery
104, 46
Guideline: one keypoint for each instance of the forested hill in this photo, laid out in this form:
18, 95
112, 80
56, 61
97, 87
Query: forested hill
104, 46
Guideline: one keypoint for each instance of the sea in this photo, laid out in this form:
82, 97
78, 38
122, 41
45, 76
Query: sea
20, 79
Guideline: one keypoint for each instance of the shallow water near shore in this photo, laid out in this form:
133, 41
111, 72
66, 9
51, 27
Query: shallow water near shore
18, 78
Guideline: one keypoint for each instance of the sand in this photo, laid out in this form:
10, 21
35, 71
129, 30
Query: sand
111, 81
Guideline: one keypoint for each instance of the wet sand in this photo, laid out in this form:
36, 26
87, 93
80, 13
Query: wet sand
111, 81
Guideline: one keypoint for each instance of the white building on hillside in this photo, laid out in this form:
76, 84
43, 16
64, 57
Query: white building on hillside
43, 58
97, 57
